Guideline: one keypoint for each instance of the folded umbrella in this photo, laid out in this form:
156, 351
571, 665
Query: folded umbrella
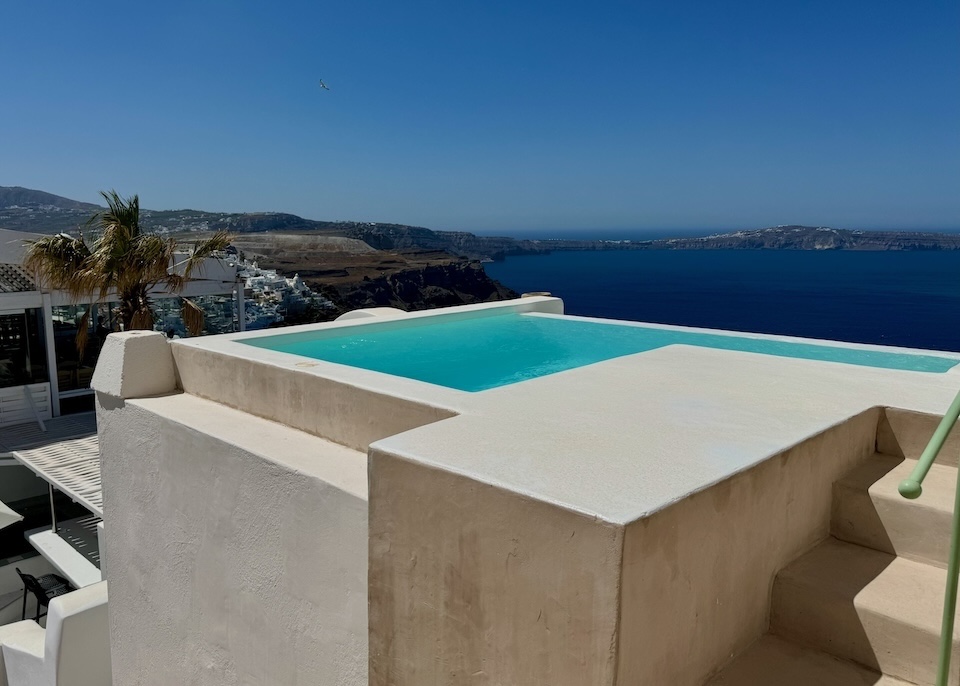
8, 516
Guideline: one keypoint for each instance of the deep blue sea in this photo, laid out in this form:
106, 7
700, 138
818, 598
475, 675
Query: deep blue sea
890, 298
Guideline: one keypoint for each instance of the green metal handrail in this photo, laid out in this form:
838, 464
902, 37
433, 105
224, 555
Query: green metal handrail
911, 488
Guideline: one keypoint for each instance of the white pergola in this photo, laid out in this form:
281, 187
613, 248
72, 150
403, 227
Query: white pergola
66, 454
33, 434
71, 466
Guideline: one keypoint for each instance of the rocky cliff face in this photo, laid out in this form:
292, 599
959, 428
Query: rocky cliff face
353, 274
420, 288
399, 237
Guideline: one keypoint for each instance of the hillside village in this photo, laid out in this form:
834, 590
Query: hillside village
270, 298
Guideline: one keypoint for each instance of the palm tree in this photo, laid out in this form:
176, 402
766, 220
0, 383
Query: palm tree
122, 263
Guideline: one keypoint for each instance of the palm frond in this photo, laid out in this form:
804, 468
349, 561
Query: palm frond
122, 262
121, 215
192, 316
55, 262
142, 317
202, 250
83, 333
175, 282
147, 261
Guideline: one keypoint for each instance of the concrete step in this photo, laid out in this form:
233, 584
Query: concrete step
873, 608
772, 660
868, 510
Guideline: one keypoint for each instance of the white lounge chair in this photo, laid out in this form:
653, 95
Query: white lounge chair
74, 649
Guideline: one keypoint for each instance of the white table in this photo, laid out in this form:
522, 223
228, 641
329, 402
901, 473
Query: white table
73, 565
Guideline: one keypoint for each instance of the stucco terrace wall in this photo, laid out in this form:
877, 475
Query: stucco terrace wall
237, 548
905, 433
697, 576
351, 406
473, 584
346, 413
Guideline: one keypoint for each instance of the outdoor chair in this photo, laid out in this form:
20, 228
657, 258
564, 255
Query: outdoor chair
44, 589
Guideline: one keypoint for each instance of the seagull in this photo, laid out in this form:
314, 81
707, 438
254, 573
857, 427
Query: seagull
323, 86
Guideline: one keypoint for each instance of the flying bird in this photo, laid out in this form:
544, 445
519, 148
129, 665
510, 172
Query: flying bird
323, 85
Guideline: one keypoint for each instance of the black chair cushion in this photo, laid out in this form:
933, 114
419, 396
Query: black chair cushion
49, 581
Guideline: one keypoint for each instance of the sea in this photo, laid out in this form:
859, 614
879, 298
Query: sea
896, 298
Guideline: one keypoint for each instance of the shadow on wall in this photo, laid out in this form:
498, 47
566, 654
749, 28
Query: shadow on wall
833, 598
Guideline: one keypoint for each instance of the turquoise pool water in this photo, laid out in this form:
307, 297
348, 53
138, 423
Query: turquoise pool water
486, 352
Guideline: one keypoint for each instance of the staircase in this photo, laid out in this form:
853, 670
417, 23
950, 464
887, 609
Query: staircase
864, 606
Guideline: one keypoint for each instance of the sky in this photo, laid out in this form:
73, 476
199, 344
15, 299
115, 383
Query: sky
495, 117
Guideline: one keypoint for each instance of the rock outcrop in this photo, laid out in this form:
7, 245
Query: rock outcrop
419, 288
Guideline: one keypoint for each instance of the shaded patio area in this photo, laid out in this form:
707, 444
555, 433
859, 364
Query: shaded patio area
64, 452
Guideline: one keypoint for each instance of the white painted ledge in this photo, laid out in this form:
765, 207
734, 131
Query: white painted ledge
78, 570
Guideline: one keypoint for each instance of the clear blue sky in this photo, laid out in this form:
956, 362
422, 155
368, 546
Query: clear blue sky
495, 116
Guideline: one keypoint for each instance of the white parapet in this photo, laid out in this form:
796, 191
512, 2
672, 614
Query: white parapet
237, 548
135, 364
73, 649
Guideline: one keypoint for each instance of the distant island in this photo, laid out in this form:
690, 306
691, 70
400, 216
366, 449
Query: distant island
24, 209
367, 264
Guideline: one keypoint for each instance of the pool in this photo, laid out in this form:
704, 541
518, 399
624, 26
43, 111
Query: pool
486, 352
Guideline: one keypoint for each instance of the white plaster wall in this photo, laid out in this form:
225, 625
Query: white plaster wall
697, 575
905, 433
211, 269
349, 414
237, 548
470, 583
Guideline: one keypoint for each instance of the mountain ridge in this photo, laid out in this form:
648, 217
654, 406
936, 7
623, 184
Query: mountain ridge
24, 209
